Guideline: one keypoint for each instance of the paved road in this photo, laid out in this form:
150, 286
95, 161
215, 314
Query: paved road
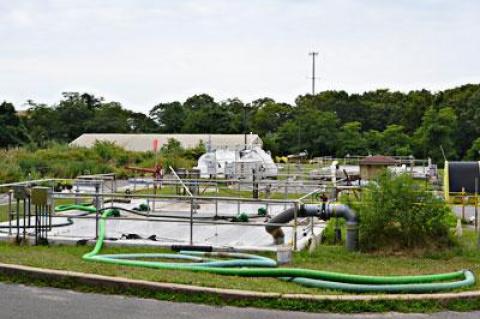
469, 212
22, 302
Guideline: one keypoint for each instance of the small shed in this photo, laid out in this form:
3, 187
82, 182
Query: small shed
372, 166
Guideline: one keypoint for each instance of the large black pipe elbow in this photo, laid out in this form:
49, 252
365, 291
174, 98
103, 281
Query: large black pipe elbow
331, 210
285, 217
341, 210
351, 218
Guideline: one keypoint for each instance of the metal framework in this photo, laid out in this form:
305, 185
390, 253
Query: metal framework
43, 211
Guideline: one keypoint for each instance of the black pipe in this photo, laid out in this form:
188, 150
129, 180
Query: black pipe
191, 248
324, 212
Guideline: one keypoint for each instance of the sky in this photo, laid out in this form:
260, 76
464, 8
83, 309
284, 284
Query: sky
143, 52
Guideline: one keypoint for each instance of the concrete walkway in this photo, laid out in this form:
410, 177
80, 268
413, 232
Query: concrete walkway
22, 302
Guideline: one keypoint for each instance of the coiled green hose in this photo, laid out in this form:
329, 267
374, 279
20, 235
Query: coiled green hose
242, 265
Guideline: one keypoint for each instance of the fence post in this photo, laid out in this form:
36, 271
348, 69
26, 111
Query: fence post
97, 208
286, 192
295, 224
192, 203
52, 204
77, 191
10, 211
238, 195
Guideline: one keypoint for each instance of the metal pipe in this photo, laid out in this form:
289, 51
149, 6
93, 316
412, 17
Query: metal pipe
164, 196
172, 220
328, 211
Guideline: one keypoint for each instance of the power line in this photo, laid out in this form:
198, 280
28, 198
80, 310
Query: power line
313, 54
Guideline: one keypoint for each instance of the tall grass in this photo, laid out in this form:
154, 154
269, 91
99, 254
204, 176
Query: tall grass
63, 161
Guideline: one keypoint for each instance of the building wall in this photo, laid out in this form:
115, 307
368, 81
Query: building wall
144, 142
369, 172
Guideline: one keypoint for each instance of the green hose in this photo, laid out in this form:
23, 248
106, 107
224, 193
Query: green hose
238, 265
82, 207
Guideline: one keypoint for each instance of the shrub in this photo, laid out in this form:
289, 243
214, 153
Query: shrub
63, 161
195, 153
328, 235
397, 213
107, 150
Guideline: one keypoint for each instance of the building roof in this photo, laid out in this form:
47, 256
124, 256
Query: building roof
378, 160
144, 142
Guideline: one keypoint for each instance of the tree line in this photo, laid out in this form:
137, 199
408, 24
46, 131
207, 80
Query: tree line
333, 123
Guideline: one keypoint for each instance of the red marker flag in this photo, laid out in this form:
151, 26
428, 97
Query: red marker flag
155, 145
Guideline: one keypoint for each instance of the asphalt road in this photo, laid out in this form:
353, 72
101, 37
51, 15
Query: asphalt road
469, 211
22, 302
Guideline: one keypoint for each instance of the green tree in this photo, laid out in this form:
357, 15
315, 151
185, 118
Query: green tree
270, 116
312, 130
108, 118
382, 108
206, 116
239, 114
141, 123
395, 142
465, 101
43, 123
373, 141
12, 132
415, 105
350, 140
473, 152
74, 112
169, 117
438, 129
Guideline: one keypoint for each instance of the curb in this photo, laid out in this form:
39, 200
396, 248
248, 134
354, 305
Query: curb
122, 282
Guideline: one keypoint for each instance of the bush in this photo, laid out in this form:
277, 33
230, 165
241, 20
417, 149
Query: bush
108, 151
328, 235
195, 153
63, 161
397, 213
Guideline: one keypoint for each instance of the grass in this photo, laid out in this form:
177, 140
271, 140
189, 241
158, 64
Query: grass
4, 208
465, 255
333, 258
338, 306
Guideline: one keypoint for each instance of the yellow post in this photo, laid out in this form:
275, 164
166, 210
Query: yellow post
446, 183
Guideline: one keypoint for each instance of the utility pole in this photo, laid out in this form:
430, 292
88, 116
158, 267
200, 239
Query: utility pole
244, 127
313, 54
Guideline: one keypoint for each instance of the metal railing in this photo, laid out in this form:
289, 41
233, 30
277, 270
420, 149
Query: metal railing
312, 188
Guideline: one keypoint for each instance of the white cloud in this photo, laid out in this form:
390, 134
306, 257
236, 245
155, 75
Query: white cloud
143, 52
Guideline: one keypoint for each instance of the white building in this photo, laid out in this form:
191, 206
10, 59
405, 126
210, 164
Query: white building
144, 142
